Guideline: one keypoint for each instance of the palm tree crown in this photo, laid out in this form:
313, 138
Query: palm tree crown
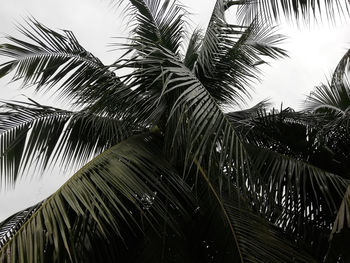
167, 175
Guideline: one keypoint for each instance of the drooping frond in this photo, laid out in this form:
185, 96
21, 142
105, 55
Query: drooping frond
261, 241
114, 196
297, 196
274, 10
33, 134
212, 140
229, 56
49, 58
231, 231
27, 129
289, 181
338, 250
332, 103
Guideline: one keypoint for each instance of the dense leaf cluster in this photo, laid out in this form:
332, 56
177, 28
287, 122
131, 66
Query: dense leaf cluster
168, 174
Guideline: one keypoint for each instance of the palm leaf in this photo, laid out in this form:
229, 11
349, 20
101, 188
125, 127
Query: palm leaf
49, 58
239, 234
12, 224
274, 10
338, 251
298, 196
333, 98
159, 21
31, 133
229, 56
297, 170
193, 48
118, 192
261, 241
196, 111
330, 99
332, 103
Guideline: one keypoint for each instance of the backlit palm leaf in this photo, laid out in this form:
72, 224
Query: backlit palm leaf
274, 10
157, 22
31, 133
50, 59
229, 56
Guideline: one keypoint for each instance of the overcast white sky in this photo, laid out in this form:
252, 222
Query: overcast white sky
314, 53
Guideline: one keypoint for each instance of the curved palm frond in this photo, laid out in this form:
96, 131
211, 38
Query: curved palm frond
229, 56
342, 70
261, 241
50, 58
212, 141
274, 10
338, 250
330, 99
116, 194
231, 231
332, 103
31, 133
297, 134
244, 117
155, 23
333, 98
294, 184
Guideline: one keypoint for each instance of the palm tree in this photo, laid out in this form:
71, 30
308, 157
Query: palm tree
332, 103
304, 142
168, 176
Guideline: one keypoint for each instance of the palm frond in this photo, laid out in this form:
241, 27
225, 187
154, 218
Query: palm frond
274, 10
342, 70
338, 250
33, 134
49, 58
194, 126
333, 98
239, 234
115, 195
297, 171
301, 197
300, 135
9, 226
158, 22
245, 116
330, 99
229, 56
193, 48
261, 241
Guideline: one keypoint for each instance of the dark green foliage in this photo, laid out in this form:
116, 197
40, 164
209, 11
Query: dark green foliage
171, 176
